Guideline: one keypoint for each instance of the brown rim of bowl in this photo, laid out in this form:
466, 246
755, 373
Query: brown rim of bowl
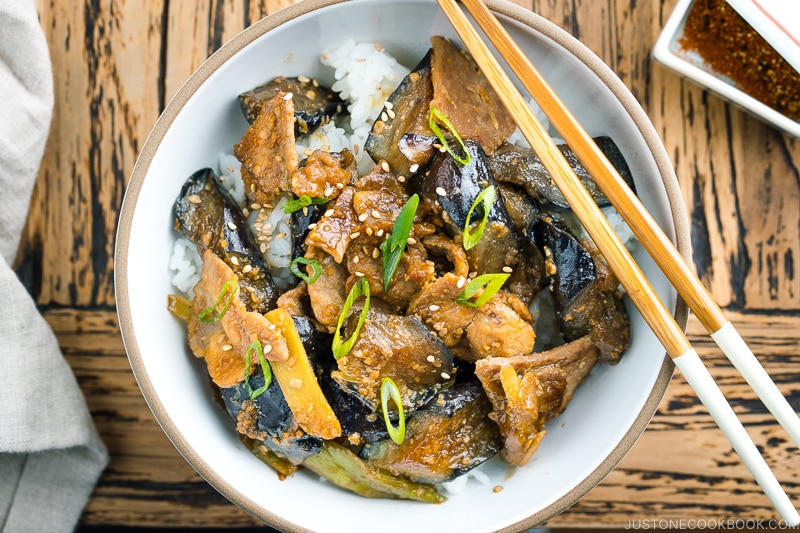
276, 19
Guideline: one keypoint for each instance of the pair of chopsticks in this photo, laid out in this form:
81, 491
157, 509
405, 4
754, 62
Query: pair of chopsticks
638, 288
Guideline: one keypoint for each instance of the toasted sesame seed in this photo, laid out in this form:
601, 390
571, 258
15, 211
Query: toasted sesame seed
247, 268
388, 105
267, 347
461, 282
355, 259
227, 348
194, 199
359, 274
235, 260
296, 383
379, 233
312, 225
263, 248
385, 166
355, 235
434, 307
375, 253
232, 225
413, 168
329, 191
369, 231
390, 113
288, 96
384, 117
303, 79
375, 213
440, 191
362, 217
430, 359
445, 375
328, 213
280, 235
305, 211
411, 240
401, 179
508, 269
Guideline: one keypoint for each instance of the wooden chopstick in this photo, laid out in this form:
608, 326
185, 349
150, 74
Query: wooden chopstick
646, 229
619, 259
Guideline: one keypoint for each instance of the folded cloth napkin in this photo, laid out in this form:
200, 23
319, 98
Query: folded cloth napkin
50, 453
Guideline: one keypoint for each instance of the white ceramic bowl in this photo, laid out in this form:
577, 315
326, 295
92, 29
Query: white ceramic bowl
689, 64
606, 416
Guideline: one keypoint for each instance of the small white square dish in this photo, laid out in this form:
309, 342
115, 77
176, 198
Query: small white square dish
670, 52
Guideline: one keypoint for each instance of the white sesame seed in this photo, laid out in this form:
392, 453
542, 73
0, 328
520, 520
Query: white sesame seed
375, 253
375, 213
329, 191
388, 105
312, 225
379, 233
288, 96
267, 347
508, 269
445, 375
247, 268
413, 168
430, 359
390, 113
231, 225
461, 282
401, 179
434, 307
235, 260
303, 79
359, 274
194, 199
440, 191
328, 213
411, 240
385, 166
362, 217
227, 348
384, 117
355, 260
355, 235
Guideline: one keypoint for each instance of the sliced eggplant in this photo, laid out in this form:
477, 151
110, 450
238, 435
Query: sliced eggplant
208, 216
268, 419
522, 167
345, 469
456, 188
398, 347
585, 292
448, 437
314, 105
401, 136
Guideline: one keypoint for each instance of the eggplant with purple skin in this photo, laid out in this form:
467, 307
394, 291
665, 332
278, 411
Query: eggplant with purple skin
456, 188
523, 168
268, 419
401, 136
448, 437
210, 218
398, 347
314, 105
586, 294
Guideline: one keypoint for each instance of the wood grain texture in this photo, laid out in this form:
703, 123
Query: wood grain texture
116, 64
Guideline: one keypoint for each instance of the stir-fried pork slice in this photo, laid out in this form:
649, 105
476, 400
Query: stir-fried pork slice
396, 347
224, 343
295, 300
334, 230
526, 391
499, 328
327, 294
464, 95
323, 174
438, 245
267, 151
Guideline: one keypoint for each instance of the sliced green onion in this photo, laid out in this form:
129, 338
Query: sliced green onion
227, 293
294, 266
342, 348
256, 346
301, 202
434, 118
486, 199
390, 390
393, 247
490, 283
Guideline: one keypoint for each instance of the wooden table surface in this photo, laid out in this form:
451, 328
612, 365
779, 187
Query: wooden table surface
117, 62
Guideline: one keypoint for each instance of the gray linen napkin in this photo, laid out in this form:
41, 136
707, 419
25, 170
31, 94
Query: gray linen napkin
50, 453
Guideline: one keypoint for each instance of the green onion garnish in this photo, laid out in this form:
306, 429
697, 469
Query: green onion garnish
434, 118
486, 198
490, 283
393, 247
294, 266
301, 202
340, 349
227, 293
390, 390
256, 345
